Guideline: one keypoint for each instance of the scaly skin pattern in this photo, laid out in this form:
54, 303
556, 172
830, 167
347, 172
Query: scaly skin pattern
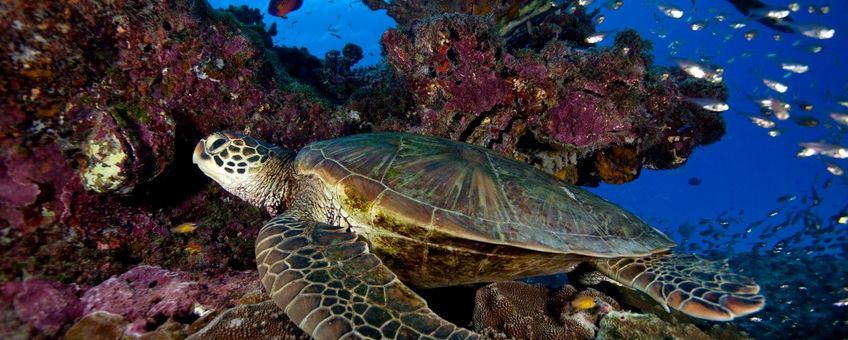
332, 287
695, 286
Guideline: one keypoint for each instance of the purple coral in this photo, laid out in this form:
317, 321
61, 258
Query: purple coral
148, 295
47, 306
581, 119
555, 106
29, 181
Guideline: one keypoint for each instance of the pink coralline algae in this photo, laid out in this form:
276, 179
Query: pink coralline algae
101, 104
44, 307
557, 106
148, 295
506, 13
581, 119
28, 178
144, 292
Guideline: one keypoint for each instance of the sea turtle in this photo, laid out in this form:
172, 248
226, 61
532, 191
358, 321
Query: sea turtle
361, 215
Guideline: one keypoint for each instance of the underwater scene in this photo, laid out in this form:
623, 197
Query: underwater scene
482, 169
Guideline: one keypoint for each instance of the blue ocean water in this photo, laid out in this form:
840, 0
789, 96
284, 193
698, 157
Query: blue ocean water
730, 193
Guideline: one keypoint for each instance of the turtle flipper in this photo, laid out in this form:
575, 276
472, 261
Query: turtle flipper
695, 286
332, 287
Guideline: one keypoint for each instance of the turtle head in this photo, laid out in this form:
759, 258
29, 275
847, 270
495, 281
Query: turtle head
253, 170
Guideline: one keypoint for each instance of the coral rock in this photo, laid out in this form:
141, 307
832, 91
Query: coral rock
552, 106
263, 320
633, 326
144, 293
98, 325
507, 14
43, 306
618, 164
147, 296
124, 148
516, 310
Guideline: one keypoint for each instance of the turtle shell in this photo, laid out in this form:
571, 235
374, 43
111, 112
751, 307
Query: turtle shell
472, 193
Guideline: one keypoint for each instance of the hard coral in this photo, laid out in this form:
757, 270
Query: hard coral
147, 296
251, 321
97, 325
516, 310
618, 164
31, 181
101, 99
556, 107
506, 13
625, 325
37, 307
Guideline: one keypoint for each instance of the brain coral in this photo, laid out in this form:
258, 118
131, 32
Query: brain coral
522, 311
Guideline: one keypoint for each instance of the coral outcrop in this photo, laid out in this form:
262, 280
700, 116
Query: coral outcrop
101, 102
584, 115
96, 326
251, 321
515, 310
37, 307
133, 303
626, 325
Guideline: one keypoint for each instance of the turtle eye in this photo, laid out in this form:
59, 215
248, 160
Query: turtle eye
215, 143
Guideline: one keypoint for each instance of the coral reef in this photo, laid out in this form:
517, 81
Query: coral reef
516, 310
134, 303
251, 321
506, 13
97, 325
37, 307
149, 295
100, 100
103, 101
566, 110
626, 325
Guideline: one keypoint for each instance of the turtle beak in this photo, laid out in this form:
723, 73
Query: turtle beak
200, 152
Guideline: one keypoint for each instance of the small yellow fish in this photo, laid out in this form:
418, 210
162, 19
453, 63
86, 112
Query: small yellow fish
583, 302
185, 228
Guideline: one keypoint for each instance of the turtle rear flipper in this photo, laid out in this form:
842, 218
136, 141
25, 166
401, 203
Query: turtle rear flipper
700, 288
332, 287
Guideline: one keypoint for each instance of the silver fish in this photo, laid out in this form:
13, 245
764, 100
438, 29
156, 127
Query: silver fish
699, 70
794, 67
762, 122
813, 30
841, 118
709, 104
671, 11
597, 37
824, 149
775, 85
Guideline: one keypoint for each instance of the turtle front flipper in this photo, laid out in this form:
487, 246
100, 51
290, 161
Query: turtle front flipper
700, 288
332, 287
